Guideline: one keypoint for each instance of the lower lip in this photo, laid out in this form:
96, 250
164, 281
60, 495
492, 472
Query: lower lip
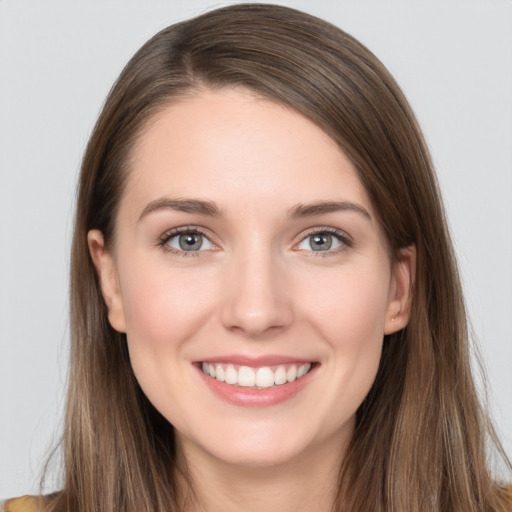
251, 397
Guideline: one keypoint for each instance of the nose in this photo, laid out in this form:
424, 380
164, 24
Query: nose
257, 298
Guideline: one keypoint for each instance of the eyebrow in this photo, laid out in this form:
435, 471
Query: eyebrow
323, 207
199, 206
210, 209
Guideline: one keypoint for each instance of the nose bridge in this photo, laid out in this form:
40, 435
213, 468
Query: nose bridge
257, 300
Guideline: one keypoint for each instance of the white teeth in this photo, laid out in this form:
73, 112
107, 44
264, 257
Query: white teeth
246, 377
231, 375
280, 376
291, 374
219, 373
303, 370
263, 377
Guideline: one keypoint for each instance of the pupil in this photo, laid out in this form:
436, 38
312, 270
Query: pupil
321, 242
190, 242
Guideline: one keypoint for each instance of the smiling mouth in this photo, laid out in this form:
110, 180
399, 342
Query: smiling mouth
259, 378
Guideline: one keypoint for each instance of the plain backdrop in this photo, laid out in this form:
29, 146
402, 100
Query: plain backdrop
58, 60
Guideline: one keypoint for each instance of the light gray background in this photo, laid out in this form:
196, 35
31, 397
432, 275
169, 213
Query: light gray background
59, 59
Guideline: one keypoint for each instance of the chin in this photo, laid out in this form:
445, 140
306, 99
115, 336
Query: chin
264, 455
258, 444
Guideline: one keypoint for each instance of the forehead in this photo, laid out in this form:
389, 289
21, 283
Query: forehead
240, 147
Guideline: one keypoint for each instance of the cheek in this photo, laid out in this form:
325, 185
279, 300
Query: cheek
164, 311
349, 305
349, 311
163, 308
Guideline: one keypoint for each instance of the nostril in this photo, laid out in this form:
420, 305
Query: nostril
254, 319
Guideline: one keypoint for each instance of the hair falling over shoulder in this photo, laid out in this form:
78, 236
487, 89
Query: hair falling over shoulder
422, 438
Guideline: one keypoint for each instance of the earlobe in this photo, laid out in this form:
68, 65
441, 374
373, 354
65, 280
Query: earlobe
107, 273
399, 305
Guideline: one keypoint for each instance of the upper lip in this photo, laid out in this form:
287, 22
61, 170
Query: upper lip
255, 361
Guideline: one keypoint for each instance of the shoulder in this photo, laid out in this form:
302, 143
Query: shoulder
22, 504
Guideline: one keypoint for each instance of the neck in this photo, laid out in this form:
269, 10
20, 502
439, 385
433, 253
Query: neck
307, 482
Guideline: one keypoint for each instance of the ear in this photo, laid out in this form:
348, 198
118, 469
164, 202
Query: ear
400, 292
109, 281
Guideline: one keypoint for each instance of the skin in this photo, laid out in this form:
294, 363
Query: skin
256, 288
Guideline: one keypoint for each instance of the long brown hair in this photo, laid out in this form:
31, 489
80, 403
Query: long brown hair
421, 434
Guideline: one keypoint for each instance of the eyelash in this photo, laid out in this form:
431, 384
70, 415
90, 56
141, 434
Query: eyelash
164, 239
340, 236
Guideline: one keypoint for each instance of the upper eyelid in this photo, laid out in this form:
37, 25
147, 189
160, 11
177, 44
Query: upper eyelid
324, 229
184, 229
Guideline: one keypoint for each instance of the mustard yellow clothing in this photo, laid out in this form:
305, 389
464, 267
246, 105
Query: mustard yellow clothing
23, 504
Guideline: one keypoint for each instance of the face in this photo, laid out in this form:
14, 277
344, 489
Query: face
252, 279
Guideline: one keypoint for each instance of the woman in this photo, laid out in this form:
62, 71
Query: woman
266, 311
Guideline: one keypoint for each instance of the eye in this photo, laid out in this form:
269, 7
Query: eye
186, 241
323, 241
